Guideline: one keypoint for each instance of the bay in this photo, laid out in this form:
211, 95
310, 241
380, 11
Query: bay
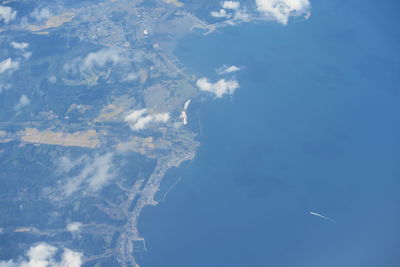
314, 126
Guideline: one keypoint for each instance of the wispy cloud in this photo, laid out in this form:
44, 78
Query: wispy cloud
8, 65
74, 227
142, 119
22, 46
27, 55
232, 11
96, 172
23, 102
231, 5
281, 10
99, 59
220, 88
102, 172
7, 14
228, 69
43, 255
41, 14
52, 79
66, 164
19, 46
220, 14
4, 87
131, 77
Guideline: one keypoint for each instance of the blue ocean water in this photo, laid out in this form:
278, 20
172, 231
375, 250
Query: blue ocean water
315, 126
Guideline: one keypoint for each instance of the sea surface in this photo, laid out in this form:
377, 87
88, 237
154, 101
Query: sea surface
315, 126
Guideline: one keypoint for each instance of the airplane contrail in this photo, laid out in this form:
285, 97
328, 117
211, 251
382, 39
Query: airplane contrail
172, 186
321, 216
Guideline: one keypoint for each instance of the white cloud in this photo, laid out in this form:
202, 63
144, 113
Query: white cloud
241, 15
135, 115
22, 46
281, 10
42, 255
52, 79
65, 164
219, 88
183, 116
93, 60
142, 119
186, 105
23, 102
27, 55
231, 5
41, 14
9, 263
131, 77
72, 66
70, 258
96, 173
4, 87
100, 59
7, 14
220, 14
19, 46
228, 69
8, 65
102, 172
232, 11
74, 227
